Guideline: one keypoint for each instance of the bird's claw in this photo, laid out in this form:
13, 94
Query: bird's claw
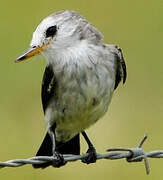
91, 158
59, 161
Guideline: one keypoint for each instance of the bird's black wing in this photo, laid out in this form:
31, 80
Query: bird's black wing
48, 86
121, 72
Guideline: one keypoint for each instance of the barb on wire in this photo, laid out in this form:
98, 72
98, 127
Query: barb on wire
130, 154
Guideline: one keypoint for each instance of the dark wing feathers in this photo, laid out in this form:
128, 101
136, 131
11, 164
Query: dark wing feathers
121, 72
48, 86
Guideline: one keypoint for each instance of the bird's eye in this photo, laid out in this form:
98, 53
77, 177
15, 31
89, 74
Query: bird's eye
51, 31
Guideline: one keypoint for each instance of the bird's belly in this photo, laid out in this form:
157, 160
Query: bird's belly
79, 104
79, 116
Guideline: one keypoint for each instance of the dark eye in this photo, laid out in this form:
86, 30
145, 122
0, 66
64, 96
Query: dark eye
51, 31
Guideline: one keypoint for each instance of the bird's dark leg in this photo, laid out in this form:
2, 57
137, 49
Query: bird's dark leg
60, 160
91, 158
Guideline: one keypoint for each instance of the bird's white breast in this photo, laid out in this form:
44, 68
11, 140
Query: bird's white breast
85, 84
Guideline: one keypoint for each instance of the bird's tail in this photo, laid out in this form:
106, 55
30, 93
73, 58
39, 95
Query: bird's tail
70, 147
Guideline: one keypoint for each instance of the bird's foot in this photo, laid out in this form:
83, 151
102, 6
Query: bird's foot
91, 158
59, 160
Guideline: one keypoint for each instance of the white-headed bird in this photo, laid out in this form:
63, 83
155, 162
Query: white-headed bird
79, 80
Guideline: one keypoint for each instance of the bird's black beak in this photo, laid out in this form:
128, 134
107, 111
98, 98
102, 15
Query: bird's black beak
31, 52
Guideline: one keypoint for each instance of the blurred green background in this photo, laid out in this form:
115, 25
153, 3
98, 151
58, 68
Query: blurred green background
136, 108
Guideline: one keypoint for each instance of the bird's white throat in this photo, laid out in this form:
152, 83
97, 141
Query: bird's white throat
80, 53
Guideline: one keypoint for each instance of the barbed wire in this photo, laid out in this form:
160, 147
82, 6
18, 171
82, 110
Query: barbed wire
130, 154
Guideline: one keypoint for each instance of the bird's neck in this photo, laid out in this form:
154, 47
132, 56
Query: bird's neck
81, 54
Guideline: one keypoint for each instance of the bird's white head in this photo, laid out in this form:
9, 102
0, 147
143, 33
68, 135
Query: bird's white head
60, 31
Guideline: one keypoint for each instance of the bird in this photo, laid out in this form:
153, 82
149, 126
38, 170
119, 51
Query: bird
80, 77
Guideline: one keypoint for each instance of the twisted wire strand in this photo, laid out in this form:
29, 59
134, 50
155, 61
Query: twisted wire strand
130, 154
